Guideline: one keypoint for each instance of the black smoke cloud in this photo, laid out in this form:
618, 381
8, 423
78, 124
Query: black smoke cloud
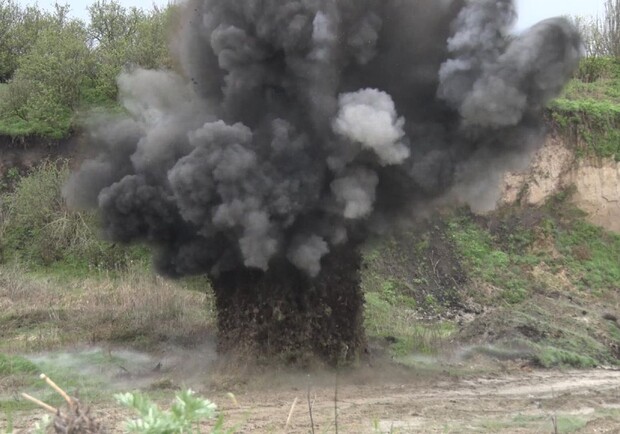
293, 124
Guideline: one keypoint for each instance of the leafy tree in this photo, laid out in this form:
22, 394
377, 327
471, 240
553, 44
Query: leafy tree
47, 85
588, 28
125, 37
53, 64
111, 23
608, 29
58, 63
9, 17
601, 35
149, 48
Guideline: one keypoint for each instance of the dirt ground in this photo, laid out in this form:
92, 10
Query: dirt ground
395, 399
519, 402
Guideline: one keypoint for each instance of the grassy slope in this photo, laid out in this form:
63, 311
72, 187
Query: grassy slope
546, 280
588, 112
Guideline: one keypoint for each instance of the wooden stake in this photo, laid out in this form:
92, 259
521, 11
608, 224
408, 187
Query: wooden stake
40, 403
58, 389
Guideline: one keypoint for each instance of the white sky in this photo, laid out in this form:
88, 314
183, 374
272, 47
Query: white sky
78, 7
530, 11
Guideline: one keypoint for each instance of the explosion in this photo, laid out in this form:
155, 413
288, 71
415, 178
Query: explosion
293, 128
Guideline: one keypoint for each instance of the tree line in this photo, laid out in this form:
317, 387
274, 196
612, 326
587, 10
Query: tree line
53, 65
601, 33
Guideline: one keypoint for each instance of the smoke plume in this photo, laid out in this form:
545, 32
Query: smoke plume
292, 124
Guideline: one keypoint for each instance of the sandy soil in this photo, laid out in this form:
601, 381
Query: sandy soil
407, 401
587, 401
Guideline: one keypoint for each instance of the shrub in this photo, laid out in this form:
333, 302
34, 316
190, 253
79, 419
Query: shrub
592, 69
38, 228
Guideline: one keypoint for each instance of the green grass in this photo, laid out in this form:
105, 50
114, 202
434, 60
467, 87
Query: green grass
387, 319
90, 388
13, 365
489, 262
592, 125
588, 111
551, 274
506, 257
591, 254
14, 126
133, 307
401, 289
570, 423
550, 357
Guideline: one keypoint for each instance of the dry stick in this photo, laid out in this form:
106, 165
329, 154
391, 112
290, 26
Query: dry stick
57, 389
40, 403
290, 415
310, 409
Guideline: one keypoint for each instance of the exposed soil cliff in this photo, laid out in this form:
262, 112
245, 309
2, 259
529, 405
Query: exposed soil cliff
24, 153
555, 166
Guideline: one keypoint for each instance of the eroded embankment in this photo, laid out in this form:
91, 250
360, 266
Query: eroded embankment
596, 182
19, 154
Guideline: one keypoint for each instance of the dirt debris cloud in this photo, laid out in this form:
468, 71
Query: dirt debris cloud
294, 125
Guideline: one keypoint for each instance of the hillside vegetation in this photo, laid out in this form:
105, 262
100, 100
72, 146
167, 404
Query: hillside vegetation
588, 113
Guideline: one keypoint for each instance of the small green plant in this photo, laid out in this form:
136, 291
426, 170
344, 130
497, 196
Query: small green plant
184, 416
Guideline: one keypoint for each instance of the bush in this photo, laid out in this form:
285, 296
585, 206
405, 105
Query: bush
38, 228
46, 87
592, 69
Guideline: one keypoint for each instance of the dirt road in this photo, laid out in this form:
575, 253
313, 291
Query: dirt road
522, 402
394, 399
